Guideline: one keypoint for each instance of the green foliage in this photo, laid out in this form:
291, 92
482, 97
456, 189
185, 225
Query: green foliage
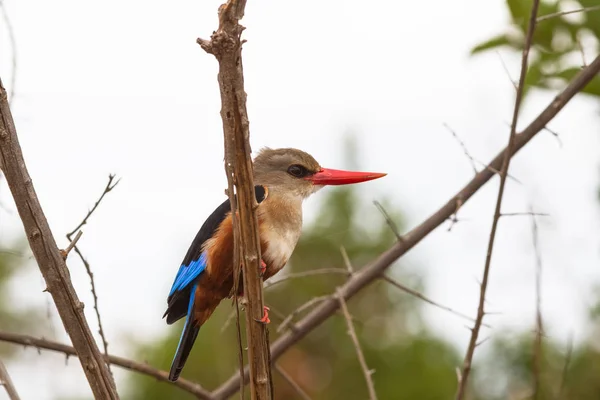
557, 53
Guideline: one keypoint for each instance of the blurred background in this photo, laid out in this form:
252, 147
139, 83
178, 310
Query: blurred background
121, 87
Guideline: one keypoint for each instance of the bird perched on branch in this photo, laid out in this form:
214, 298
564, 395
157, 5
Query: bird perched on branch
283, 179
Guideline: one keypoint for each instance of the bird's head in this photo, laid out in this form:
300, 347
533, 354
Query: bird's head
295, 172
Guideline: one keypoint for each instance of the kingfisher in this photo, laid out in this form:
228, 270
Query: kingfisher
283, 179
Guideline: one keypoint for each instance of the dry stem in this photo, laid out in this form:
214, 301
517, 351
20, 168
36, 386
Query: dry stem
361, 357
461, 393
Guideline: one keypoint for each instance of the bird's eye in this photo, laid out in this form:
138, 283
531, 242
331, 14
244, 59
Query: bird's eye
297, 171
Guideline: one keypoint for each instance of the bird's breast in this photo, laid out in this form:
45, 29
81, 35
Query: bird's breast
277, 247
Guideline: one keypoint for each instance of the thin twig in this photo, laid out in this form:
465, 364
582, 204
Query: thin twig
504, 66
561, 13
7, 383
48, 257
305, 306
361, 357
110, 185
464, 148
347, 262
305, 274
474, 160
65, 252
539, 331
461, 393
13, 48
374, 269
565, 371
142, 368
521, 214
421, 296
303, 395
388, 220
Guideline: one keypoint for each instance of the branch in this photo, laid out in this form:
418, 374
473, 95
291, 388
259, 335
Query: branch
142, 368
292, 383
374, 270
426, 299
361, 357
497, 212
561, 13
226, 45
539, 331
7, 383
49, 259
109, 186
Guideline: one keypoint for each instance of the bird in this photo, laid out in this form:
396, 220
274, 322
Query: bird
283, 179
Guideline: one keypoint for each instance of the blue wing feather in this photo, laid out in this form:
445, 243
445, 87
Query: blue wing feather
188, 273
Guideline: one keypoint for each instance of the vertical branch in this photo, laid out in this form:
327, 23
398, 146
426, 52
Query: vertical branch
49, 259
7, 383
466, 369
361, 357
226, 45
539, 326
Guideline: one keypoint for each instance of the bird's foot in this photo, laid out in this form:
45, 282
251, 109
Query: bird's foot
265, 319
263, 267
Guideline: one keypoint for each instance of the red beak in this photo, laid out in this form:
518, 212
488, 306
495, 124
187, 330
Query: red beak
328, 176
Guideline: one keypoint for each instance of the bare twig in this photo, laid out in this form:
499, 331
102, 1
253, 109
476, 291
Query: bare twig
109, 186
565, 371
13, 47
305, 274
305, 306
142, 368
539, 331
107, 189
303, 395
463, 147
421, 296
561, 13
388, 220
7, 383
48, 257
521, 214
506, 70
347, 262
461, 393
226, 45
374, 269
65, 252
361, 357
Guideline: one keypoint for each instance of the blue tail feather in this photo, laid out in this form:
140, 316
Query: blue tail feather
186, 341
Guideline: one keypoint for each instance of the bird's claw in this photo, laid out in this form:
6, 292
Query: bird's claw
265, 319
263, 267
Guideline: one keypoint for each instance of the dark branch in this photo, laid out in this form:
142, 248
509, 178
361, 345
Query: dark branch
142, 368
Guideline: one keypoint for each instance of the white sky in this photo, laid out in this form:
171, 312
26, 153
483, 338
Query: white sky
121, 86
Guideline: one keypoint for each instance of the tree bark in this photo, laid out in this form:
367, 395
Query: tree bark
226, 46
